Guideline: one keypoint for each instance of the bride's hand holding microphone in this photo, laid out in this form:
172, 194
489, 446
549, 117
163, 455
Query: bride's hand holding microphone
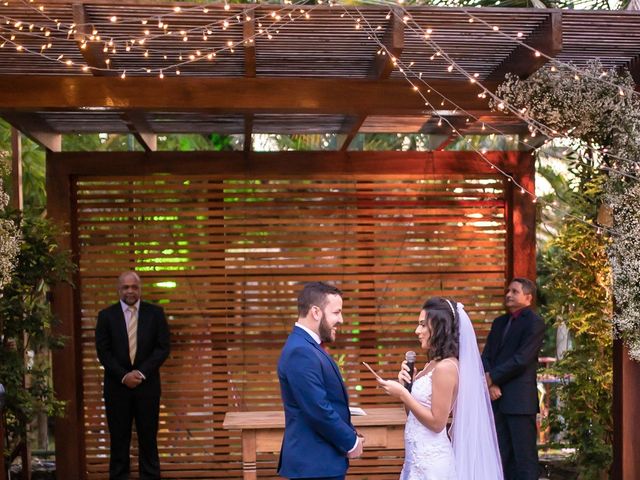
405, 378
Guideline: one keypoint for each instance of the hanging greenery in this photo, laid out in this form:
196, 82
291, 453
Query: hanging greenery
9, 233
598, 108
594, 253
26, 321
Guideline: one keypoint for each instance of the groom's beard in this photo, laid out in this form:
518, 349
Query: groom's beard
325, 330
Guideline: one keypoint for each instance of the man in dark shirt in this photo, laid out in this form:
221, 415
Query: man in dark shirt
510, 359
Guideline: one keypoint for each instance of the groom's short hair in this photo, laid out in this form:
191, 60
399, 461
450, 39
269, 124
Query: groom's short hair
314, 293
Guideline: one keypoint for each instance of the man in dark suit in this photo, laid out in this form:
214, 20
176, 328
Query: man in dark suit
318, 438
510, 359
132, 341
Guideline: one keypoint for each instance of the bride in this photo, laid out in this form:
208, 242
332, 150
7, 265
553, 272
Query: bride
452, 380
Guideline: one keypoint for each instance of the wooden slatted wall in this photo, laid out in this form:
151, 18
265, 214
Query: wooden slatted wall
225, 258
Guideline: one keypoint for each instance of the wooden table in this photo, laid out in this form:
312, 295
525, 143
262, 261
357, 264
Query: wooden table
262, 432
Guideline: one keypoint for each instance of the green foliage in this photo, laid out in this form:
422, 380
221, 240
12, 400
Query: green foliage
9, 233
33, 169
195, 142
576, 278
575, 271
100, 142
25, 326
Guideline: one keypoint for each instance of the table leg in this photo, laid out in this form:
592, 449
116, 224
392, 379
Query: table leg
249, 468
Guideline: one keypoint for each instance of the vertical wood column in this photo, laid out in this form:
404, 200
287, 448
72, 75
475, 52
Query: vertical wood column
626, 415
3, 467
67, 362
521, 249
17, 197
16, 202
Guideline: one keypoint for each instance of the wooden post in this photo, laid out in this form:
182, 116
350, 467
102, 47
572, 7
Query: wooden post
17, 202
626, 415
522, 212
17, 199
3, 467
67, 362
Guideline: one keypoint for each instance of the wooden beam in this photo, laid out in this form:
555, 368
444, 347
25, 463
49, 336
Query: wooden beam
393, 41
248, 135
249, 32
546, 39
352, 126
92, 51
17, 198
521, 244
381, 69
140, 128
34, 127
305, 164
634, 69
451, 126
435, 141
249, 45
232, 95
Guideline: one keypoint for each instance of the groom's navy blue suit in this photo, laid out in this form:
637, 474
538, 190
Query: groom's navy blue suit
318, 431
512, 360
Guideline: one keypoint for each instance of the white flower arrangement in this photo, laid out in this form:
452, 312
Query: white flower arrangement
9, 234
600, 108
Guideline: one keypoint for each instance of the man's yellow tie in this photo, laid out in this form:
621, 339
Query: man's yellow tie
132, 332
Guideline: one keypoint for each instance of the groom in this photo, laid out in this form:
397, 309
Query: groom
318, 436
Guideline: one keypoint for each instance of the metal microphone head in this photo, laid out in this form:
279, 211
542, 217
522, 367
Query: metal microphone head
410, 358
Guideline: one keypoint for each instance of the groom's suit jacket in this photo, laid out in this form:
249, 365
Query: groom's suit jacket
512, 362
318, 431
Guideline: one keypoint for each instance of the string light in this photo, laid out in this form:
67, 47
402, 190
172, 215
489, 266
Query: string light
501, 105
129, 45
274, 14
552, 60
508, 177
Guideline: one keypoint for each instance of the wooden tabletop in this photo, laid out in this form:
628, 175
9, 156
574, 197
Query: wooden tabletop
275, 419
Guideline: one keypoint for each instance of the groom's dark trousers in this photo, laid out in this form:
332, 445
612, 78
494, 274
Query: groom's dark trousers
510, 356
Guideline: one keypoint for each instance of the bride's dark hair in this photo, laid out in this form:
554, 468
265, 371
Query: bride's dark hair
443, 325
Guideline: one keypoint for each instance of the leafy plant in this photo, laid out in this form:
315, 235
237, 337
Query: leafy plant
575, 278
9, 233
33, 173
25, 326
595, 110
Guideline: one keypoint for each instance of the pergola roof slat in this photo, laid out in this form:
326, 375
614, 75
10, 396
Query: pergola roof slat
284, 46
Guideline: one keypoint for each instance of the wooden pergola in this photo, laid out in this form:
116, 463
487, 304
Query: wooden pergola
151, 69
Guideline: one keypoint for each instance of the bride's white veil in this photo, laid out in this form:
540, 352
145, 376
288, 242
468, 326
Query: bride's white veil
473, 432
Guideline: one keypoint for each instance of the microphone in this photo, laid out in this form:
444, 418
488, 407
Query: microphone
410, 357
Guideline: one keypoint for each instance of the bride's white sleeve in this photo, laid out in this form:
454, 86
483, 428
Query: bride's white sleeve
473, 431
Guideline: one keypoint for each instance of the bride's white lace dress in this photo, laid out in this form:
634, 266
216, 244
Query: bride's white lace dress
428, 455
